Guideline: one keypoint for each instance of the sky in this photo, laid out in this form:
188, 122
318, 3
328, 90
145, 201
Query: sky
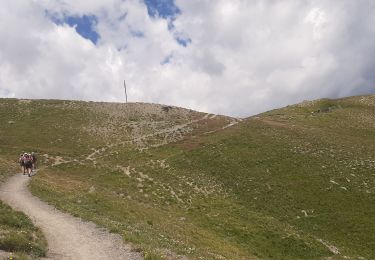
231, 57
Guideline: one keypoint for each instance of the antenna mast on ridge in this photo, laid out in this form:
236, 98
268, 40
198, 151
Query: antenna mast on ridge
126, 95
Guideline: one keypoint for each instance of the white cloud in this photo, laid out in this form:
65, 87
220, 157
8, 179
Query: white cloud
317, 18
244, 57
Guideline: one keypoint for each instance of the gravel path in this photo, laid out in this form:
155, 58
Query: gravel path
68, 237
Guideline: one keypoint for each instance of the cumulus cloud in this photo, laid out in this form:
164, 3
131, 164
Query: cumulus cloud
230, 57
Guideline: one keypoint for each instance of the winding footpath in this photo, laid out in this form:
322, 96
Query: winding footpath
68, 237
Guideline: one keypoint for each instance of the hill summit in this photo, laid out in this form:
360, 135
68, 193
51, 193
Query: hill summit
292, 183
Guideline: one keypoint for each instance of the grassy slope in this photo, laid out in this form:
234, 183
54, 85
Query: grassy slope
286, 184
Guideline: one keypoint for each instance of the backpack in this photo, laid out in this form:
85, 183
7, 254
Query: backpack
27, 159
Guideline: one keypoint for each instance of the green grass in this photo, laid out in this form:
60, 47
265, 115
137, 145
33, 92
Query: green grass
18, 234
286, 184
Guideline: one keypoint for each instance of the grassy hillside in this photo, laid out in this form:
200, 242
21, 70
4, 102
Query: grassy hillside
292, 183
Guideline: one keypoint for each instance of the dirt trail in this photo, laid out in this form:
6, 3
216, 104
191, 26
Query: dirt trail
168, 130
4, 255
68, 237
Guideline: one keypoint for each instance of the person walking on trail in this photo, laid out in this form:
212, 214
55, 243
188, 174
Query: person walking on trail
28, 162
35, 159
20, 160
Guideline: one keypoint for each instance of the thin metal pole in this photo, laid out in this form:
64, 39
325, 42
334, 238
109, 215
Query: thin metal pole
126, 95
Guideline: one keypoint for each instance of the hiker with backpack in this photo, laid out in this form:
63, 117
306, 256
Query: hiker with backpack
20, 160
28, 163
35, 159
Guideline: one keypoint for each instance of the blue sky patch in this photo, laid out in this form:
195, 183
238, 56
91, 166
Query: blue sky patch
84, 25
183, 42
163, 8
168, 10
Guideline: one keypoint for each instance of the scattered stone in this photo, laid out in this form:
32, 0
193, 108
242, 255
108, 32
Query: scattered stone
330, 247
166, 108
332, 181
92, 189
